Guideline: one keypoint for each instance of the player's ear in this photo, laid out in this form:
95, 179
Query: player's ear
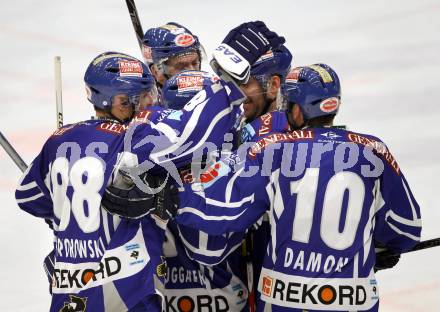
298, 115
273, 87
154, 71
295, 117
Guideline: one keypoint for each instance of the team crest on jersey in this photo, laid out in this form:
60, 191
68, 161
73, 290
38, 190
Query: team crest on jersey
76, 304
330, 135
130, 68
184, 40
161, 269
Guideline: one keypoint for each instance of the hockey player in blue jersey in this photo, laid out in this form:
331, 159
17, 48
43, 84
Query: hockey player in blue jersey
332, 195
266, 76
170, 49
263, 97
95, 252
168, 57
103, 262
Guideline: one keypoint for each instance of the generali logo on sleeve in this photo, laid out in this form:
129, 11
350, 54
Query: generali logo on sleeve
130, 68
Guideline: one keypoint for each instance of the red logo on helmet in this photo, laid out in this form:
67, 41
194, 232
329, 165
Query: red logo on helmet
146, 52
130, 69
184, 40
329, 105
189, 83
292, 76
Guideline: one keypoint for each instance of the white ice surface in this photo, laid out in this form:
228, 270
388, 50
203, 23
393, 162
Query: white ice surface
386, 53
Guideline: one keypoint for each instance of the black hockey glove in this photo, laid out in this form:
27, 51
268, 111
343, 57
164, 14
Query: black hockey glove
252, 40
385, 258
167, 202
130, 203
134, 203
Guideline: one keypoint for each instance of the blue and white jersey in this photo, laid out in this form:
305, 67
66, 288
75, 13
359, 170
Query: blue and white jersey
102, 262
203, 271
173, 140
193, 285
330, 194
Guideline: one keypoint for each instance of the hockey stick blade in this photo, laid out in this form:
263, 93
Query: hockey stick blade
135, 21
12, 153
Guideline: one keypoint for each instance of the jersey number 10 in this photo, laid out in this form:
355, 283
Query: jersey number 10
306, 189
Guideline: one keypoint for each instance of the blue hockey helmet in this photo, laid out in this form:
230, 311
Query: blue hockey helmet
181, 88
171, 40
274, 62
315, 88
113, 73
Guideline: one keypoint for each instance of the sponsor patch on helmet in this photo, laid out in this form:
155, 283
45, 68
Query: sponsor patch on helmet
266, 56
190, 83
175, 30
329, 105
98, 60
184, 40
146, 52
292, 76
130, 68
325, 75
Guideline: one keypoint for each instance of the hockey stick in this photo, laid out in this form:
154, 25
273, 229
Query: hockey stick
58, 91
430, 243
135, 21
12, 153
435, 242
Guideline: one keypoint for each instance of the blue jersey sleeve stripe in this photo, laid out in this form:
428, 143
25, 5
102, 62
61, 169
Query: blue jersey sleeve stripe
414, 206
204, 216
398, 231
26, 187
399, 219
28, 199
